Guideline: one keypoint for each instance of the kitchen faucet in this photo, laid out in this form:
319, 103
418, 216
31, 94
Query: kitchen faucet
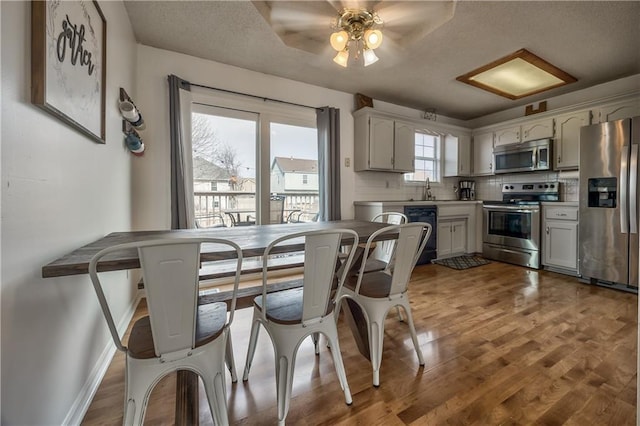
426, 194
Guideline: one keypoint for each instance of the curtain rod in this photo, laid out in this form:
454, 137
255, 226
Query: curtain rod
252, 96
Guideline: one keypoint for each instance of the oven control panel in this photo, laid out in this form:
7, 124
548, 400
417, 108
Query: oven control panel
531, 188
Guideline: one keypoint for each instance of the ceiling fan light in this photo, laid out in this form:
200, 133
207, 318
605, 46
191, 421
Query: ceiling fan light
342, 58
369, 57
373, 38
339, 40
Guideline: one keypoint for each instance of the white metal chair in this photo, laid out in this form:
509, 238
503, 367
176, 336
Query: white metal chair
293, 315
381, 256
177, 334
276, 209
378, 292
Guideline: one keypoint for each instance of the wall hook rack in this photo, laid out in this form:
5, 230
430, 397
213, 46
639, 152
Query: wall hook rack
132, 122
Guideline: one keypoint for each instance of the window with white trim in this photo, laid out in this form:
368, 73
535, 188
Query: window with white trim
427, 157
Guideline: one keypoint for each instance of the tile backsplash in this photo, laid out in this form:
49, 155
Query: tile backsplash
379, 186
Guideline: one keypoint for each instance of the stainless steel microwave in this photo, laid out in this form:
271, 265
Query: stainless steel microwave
523, 157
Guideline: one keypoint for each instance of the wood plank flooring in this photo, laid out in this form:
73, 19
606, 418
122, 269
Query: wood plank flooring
503, 345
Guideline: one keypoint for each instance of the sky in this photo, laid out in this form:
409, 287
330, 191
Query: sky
286, 141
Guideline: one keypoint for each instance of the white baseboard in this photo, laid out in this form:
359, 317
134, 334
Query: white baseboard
83, 400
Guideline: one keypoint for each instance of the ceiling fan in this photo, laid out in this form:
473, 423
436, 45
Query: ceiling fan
308, 25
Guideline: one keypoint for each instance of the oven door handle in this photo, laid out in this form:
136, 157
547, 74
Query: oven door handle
520, 251
517, 209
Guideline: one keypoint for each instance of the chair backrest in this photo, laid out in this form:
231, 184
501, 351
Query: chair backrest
322, 267
411, 240
384, 249
170, 270
276, 209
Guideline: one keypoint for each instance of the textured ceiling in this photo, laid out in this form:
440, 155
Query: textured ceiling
595, 41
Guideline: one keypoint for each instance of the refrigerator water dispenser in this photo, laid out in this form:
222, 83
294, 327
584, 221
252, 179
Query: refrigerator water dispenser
603, 192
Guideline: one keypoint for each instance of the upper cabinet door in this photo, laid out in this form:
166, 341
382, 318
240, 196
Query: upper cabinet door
567, 141
381, 134
483, 154
457, 155
618, 110
539, 129
507, 135
404, 147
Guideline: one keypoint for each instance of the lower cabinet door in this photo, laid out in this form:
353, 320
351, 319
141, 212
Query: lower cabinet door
561, 244
452, 237
458, 237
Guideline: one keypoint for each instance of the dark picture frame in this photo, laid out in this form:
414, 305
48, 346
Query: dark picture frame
68, 63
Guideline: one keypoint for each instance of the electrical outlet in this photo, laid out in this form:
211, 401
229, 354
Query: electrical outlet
347, 162
386, 184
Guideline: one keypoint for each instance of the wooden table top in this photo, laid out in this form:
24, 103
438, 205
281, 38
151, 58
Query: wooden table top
252, 239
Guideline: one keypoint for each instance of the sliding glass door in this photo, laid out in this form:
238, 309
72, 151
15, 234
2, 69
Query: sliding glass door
252, 168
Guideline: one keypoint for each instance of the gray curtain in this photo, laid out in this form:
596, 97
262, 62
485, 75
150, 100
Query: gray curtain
181, 177
328, 123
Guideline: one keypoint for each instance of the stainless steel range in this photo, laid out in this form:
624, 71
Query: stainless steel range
511, 227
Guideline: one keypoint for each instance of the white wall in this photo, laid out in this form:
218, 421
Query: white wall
60, 190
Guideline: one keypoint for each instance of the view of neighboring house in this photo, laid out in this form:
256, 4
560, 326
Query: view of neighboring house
209, 177
297, 180
294, 175
229, 190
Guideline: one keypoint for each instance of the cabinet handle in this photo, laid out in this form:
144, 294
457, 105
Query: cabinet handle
547, 230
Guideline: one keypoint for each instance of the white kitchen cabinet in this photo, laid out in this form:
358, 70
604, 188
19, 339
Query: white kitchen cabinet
524, 132
457, 155
566, 145
381, 135
383, 143
618, 110
452, 237
560, 239
404, 146
537, 129
507, 135
483, 153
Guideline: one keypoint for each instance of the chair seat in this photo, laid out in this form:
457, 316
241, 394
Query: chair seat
284, 307
210, 321
374, 265
374, 284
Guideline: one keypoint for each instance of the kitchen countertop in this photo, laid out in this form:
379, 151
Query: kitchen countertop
414, 202
560, 203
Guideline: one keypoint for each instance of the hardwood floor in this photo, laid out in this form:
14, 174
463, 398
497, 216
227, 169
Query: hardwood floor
503, 345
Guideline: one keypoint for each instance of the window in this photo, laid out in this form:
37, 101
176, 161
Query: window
427, 159
305, 179
252, 151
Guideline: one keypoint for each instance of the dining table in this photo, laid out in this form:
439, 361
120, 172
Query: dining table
252, 240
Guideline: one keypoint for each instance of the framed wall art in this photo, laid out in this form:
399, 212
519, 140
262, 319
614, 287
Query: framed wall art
68, 63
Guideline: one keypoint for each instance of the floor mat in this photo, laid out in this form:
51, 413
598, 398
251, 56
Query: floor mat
462, 262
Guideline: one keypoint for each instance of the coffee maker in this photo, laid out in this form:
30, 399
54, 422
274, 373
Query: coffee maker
466, 190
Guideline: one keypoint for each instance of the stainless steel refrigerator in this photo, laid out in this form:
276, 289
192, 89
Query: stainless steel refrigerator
608, 232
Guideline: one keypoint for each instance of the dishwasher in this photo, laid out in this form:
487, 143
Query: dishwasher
428, 214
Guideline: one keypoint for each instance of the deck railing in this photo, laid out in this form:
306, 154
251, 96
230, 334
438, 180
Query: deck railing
210, 206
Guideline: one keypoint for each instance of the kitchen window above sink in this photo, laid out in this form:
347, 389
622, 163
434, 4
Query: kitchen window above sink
427, 157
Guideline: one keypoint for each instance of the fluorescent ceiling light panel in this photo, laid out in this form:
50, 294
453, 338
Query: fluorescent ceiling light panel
517, 75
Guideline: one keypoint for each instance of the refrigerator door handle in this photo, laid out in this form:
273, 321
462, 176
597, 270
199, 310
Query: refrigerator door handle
633, 190
624, 190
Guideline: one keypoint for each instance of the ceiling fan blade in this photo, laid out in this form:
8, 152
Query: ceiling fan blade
412, 21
